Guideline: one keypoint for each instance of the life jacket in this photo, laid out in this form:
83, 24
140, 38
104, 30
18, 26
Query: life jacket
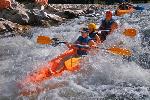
92, 35
82, 41
5, 4
106, 25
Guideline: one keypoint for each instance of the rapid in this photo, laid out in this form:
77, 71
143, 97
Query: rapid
102, 76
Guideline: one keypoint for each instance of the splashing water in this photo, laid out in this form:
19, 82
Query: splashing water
103, 76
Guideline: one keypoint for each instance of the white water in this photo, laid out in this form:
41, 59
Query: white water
103, 76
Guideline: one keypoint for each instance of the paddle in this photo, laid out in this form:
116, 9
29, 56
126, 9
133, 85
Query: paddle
55, 42
47, 40
99, 31
131, 32
119, 51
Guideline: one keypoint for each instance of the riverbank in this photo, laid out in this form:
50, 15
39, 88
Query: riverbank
21, 17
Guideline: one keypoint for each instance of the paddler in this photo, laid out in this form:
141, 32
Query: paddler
124, 5
108, 25
84, 43
79, 48
93, 33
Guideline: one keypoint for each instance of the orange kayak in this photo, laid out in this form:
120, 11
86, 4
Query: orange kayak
122, 12
55, 68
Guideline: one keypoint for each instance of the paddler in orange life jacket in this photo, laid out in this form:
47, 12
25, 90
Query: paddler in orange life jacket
108, 25
84, 43
93, 33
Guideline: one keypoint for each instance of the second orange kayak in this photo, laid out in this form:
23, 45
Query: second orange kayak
122, 12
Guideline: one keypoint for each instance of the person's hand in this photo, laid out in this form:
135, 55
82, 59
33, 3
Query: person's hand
68, 45
93, 47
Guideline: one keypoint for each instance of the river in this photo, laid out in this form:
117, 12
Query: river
104, 76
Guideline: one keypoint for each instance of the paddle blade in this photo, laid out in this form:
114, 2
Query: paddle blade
120, 51
72, 64
131, 32
44, 40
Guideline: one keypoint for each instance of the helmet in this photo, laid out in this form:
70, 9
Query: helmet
109, 13
84, 30
92, 26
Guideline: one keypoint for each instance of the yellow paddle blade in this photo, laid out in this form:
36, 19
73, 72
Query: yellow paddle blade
44, 40
131, 32
72, 64
120, 51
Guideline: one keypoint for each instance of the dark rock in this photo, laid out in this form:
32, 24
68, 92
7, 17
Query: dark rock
16, 15
88, 11
37, 17
54, 17
6, 26
10, 26
2, 27
73, 13
50, 9
2, 19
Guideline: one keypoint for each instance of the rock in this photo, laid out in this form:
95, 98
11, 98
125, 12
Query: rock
54, 17
15, 15
21, 29
73, 13
8, 26
51, 9
88, 11
2, 27
34, 14
37, 17
2, 19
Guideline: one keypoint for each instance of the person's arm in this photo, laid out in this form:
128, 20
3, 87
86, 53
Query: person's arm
113, 27
92, 44
74, 44
97, 39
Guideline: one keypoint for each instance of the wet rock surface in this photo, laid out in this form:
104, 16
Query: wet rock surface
35, 15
